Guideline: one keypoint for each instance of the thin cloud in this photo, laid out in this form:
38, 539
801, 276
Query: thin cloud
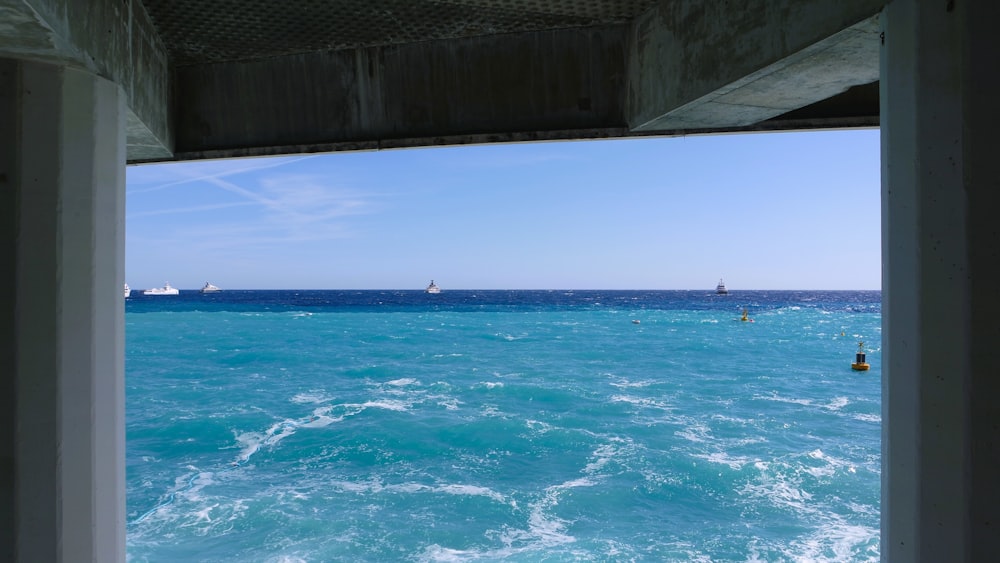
190, 178
298, 200
192, 209
288, 210
312, 200
246, 239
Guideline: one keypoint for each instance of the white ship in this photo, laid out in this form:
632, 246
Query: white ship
128, 291
721, 288
433, 288
209, 288
165, 290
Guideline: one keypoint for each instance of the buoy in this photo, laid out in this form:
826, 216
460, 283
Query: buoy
859, 359
745, 318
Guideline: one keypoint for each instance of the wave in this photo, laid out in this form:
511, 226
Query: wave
251, 443
837, 403
402, 382
310, 397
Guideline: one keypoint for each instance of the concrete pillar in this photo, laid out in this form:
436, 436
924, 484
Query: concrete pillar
941, 310
62, 432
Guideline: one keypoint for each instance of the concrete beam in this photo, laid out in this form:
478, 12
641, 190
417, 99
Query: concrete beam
552, 85
491, 88
113, 39
701, 64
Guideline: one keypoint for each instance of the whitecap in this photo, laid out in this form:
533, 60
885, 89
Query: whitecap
388, 405
776, 398
868, 418
735, 463
252, 442
837, 403
402, 382
545, 529
538, 426
834, 541
471, 490
695, 433
310, 397
601, 456
510, 337
779, 491
832, 464
203, 515
639, 401
631, 384
320, 418
491, 411
450, 404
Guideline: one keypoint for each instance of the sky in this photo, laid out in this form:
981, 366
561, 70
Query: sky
793, 210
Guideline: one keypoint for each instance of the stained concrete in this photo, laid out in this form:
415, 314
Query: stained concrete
699, 65
940, 241
223, 84
62, 451
378, 97
113, 39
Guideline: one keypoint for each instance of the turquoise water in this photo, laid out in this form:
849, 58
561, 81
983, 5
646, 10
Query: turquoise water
514, 426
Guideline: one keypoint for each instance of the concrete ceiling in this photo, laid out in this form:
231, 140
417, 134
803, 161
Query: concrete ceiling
198, 32
229, 78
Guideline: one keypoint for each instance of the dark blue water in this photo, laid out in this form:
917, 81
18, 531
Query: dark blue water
499, 300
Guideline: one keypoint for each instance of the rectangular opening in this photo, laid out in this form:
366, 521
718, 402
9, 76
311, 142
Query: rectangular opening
577, 389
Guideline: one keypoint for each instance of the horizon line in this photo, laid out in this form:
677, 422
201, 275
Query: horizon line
507, 289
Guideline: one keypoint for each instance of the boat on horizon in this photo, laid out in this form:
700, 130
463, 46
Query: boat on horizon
721, 288
167, 289
128, 291
209, 288
432, 288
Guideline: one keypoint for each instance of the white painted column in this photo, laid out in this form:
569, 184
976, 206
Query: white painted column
940, 123
62, 419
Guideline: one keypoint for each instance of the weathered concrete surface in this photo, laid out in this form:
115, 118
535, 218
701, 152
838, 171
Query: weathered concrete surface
550, 85
375, 97
627, 78
114, 39
9, 175
940, 249
62, 241
701, 64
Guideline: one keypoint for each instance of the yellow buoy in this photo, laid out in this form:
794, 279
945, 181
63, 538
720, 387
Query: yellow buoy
745, 318
859, 359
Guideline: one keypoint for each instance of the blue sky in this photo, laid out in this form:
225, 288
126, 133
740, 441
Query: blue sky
764, 211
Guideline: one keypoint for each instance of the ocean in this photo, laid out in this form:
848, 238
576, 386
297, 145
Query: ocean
294, 426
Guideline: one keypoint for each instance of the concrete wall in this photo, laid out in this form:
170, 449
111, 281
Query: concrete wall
570, 80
